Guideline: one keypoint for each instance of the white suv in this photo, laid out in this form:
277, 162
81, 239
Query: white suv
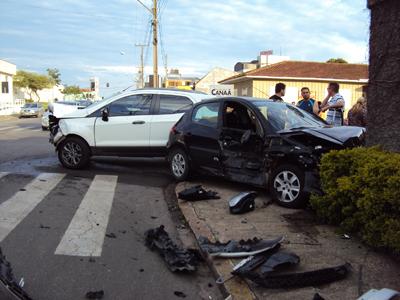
132, 123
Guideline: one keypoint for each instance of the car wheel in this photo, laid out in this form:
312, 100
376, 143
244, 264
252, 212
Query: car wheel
74, 153
287, 186
179, 164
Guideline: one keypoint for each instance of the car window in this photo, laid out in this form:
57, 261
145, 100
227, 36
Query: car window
283, 116
171, 104
133, 105
206, 114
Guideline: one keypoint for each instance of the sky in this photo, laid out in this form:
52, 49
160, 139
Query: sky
85, 38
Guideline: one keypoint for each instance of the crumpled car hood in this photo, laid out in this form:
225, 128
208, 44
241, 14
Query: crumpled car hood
338, 135
79, 113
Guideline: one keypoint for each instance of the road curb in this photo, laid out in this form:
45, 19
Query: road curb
235, 288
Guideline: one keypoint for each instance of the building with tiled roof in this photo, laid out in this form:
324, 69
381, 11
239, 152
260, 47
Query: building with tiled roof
297, 74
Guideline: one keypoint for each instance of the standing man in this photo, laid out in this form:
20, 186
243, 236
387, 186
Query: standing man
307, 103
279, 92
334, 104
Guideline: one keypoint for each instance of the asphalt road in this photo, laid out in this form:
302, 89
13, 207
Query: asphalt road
52, 218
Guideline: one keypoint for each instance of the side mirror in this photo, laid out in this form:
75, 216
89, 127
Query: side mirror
104, 115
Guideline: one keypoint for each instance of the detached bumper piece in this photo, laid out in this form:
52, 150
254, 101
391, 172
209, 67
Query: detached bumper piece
262, 268
242, 203
240, 248
292, 280
177, 259
197, 193
9, 288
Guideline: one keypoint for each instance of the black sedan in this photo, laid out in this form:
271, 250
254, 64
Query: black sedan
259, 142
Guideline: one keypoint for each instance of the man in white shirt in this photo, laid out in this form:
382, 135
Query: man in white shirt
334, 104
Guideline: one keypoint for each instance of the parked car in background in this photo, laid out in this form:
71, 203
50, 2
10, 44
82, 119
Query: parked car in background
62, 108
31, 110
131, 123
45, 120
259, 142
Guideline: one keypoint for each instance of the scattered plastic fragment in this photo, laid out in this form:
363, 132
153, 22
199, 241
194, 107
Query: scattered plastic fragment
238, 248
345, 237
242, 203
180, 294
9, 288
21, 282
95, 295
177, 258
197, 193
382, 294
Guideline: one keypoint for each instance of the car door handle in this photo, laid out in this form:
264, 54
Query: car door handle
138, 122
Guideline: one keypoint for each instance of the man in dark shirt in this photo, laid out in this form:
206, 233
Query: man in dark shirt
307, 103
279, 92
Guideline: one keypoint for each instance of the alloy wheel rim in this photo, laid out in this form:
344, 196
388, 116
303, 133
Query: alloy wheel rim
287, 185
72, 154
178, 165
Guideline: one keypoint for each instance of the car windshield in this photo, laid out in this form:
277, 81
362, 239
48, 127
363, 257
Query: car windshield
284, 116
30, 105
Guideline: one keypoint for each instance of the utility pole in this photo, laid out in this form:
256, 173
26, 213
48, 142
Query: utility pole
166, 68
155, 45
140, 81
154, 24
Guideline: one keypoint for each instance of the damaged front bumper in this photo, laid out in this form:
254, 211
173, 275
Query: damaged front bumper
56, 135
9, 288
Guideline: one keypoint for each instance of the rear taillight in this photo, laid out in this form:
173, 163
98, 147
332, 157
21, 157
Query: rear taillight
173, 130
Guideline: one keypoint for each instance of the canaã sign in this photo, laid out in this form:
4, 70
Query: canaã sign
221, 90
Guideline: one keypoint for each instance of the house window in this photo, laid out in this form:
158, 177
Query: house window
4, 87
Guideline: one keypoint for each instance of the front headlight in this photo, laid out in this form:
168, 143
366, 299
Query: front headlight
63, 126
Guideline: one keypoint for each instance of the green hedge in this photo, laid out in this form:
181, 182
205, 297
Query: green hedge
362, 194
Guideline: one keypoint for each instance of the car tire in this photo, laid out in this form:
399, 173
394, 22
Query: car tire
74, 153
179, 164
44, 128
287, 186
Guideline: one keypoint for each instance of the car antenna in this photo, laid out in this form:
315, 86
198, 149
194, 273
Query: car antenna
127, 88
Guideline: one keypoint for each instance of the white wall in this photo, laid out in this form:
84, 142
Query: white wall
7, 71
212, 78
46, 95
265, 60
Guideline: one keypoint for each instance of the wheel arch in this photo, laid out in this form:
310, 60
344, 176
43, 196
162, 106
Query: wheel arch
74, 136
178, 146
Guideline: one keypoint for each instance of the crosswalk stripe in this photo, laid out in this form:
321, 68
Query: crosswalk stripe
85, 233
6, 128
15, 209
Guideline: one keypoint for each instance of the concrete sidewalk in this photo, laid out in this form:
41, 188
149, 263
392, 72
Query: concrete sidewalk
8, 118
317, 245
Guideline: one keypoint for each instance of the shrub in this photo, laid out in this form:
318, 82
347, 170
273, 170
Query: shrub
362, 194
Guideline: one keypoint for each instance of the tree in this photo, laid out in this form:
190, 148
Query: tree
55, 75
338, 60
72, 90
32, 82
383, 122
